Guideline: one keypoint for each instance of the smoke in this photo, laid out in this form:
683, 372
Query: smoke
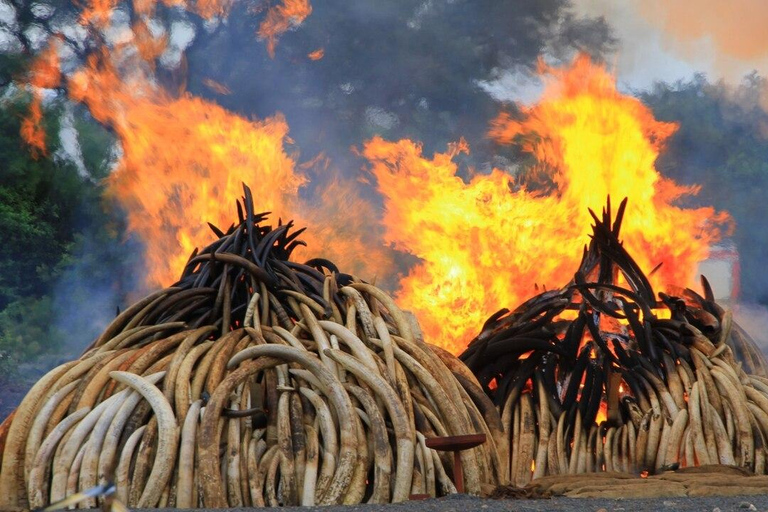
753, 318
735, 30
672, 40
396, 69
100, 281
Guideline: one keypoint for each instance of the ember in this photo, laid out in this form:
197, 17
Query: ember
686, 390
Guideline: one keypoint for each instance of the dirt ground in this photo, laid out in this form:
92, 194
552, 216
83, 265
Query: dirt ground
463, 503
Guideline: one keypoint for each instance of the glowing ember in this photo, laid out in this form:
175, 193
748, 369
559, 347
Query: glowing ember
483, 245
317, 54
602, 413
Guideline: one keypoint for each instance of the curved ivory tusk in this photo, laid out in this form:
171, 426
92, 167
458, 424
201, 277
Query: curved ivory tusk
265, 354
382, 453
167, 443
330, 442
38, 484
187, 457
402, 323
35, 436
108, 452
310, 468
69, 452
356, 345
675, 438
122, 474
403, 434
746, 444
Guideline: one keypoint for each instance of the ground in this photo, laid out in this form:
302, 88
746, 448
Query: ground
463, 503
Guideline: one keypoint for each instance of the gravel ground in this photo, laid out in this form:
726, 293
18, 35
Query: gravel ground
463, 503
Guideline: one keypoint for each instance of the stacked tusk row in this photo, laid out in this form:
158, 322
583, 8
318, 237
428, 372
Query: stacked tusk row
258, 381
598, 376
252, 381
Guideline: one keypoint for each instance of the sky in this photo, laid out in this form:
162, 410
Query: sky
669, 40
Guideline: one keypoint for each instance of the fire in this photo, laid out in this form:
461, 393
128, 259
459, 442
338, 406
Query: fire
602, 413
484, 244
481, 244
99, 12
44, 74
209, 8
45, 71
184, 161
280, 19
32, 131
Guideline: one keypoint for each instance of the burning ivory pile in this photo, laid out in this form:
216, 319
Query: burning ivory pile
252, 381
594, 377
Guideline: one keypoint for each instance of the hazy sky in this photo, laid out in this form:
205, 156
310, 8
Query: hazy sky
671, 39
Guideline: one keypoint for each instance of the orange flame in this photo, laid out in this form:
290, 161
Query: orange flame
181, 158
602, 413
484, 245
282, 18
32, 131
210, 8
184, 159
98, 13
183, 164
44, 74
148, 46
46, 70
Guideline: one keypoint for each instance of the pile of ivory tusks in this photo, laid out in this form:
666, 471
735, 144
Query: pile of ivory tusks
713, 414
166, 413
685, 388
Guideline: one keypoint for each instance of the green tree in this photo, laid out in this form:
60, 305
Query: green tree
396, 69
38, 199
722, 144
49, 210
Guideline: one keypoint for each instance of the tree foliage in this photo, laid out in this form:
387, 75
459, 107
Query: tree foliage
396, 69
48, 210
722, 144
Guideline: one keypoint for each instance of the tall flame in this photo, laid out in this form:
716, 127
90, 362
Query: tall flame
181, 158
183, 164
483, 245
184, 159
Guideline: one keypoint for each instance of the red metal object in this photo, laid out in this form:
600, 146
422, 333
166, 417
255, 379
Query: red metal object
456, 444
